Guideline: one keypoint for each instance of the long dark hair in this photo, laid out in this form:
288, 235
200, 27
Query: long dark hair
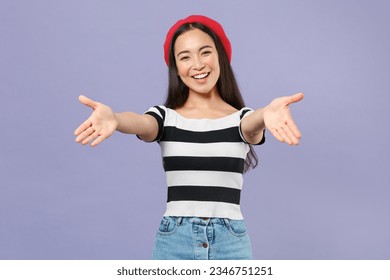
226, 84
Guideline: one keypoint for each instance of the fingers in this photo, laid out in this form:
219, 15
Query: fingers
88, 102
89, 131
290, 138
95, 135
90, 135
278, 119
295, 98
84, 126
85, 133
286, 134
277, 135
289, 130
294, 129
283, 135
97, 140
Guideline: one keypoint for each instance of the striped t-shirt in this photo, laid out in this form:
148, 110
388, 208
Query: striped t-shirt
204, 162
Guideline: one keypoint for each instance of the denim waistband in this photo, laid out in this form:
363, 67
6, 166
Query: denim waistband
201, 220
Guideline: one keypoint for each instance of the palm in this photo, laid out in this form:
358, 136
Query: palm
278, 119
99, 126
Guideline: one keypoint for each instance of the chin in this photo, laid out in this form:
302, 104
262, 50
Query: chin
203, 91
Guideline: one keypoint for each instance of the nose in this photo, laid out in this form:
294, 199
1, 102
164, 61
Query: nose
198, 64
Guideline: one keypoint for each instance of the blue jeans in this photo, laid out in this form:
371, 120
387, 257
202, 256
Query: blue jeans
192, 238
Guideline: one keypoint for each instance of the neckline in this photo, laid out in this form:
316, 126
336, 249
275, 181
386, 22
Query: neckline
205, 119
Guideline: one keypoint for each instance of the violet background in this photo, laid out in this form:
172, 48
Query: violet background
325, 199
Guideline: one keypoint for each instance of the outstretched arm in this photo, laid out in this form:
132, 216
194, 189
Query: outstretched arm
276, 117
103, 122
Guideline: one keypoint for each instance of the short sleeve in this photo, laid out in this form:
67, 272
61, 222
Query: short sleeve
158, 112
244, 112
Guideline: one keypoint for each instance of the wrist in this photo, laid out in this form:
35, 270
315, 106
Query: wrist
117, 121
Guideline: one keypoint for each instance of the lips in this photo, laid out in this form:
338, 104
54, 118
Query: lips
201, 76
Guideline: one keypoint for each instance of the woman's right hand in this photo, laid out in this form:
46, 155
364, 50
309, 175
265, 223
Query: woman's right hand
99, 126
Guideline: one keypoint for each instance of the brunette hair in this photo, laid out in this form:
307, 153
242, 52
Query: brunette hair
227, 85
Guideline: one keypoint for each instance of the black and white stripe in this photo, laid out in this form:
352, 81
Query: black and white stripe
204, 193
204, 161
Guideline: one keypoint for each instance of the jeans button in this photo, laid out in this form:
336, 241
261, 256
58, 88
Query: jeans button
205, 245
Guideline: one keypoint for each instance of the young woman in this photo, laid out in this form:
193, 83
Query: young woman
205, 133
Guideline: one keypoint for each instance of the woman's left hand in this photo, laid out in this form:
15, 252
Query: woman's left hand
278, 119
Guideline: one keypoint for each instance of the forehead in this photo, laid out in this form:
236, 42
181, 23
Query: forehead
192, 40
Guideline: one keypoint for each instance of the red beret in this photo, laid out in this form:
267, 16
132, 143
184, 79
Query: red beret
212, 24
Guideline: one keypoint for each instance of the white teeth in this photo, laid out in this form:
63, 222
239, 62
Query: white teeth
201, 76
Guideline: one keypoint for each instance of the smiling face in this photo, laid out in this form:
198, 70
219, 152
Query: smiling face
197, 61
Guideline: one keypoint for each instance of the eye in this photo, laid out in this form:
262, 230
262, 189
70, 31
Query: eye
184, 58
206, 52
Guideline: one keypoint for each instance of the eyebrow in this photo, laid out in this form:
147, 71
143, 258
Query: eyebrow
200, 49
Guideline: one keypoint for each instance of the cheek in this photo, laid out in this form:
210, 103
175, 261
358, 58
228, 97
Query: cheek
213, 63
181, 72
182, 68
216, 70
216, 64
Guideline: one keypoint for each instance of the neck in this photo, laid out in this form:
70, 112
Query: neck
203, 100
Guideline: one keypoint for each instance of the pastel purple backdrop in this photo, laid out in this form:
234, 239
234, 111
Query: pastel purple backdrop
328, 198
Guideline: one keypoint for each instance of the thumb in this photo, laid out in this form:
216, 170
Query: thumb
88, 102
295, 98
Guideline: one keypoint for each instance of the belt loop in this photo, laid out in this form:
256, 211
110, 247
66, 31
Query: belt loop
227, 222
179, 220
